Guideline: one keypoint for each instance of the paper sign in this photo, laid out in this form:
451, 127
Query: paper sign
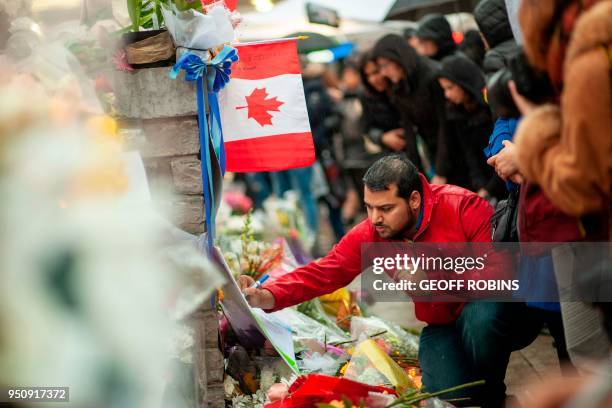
252, 326
280, 337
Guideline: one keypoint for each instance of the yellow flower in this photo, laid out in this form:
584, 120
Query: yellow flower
104, 125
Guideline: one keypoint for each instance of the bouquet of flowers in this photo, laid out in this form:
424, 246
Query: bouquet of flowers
397, 342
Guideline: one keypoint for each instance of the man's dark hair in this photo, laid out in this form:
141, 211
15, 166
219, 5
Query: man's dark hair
394, 169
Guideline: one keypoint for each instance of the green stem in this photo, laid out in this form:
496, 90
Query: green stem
354, 340
413, 398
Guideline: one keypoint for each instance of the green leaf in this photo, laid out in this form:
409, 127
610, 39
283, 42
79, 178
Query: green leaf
145, 21
183, 5
347, 402
134, 9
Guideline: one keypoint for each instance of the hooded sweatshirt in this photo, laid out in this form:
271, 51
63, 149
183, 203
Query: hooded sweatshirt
468, 131
419, 99
379, 114
435, 27
492, 19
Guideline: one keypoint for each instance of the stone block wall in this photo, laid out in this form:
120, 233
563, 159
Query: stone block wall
208, 359
163, 113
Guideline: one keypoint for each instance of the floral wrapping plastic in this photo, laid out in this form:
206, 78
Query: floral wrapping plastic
397, 341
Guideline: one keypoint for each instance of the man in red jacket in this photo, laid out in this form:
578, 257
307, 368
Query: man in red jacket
463, 342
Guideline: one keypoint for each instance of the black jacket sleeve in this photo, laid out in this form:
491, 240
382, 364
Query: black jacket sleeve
368, 127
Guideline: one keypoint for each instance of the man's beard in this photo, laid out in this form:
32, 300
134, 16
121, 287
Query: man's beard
403, 232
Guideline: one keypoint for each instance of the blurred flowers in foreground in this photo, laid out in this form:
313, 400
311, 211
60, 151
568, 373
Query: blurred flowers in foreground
92, 280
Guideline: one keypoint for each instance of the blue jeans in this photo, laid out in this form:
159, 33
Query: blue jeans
476, 346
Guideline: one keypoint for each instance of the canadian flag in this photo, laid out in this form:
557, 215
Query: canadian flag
263, 110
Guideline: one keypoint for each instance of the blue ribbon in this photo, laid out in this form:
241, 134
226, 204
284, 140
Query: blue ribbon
217, 73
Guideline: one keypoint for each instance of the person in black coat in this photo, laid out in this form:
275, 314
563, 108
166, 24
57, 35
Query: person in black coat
435, 37
469, 126
473, 47
492, 19
416, 94
380, 121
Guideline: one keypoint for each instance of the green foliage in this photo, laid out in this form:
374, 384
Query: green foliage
144, 12
134, 10
249, 253
412, 398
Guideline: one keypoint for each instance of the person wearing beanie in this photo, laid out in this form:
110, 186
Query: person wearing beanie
470, 124
435, 37
416, 94
492, 19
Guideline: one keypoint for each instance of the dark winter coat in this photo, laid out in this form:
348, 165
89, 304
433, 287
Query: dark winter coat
379, 114
435, 27
473, 47
492, 19
418, 97
354, 155
320, 111
468, 131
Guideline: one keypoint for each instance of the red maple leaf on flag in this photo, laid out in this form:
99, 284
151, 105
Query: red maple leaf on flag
259, 106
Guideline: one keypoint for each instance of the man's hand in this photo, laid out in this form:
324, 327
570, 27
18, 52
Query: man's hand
505, 162
256, 297
394, 139
415, 277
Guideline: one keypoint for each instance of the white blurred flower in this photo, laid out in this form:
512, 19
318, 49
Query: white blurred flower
88, 286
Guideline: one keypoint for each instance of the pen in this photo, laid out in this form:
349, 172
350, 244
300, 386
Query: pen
259, 281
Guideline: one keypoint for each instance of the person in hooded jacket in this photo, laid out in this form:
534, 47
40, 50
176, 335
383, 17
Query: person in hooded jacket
435, 37
492, 19
462, 342
473, 47
380, 122
469, 126
416, 94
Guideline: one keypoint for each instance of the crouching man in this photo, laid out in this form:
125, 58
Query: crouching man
463, 342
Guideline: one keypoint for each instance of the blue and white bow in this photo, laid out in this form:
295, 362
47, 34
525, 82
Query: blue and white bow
217, 74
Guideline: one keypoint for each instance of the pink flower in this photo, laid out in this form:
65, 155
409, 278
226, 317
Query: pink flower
120, 61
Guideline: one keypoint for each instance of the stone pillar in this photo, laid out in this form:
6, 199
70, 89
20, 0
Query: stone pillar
208, 359
166, 112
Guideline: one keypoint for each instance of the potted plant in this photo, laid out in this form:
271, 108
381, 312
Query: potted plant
147, 43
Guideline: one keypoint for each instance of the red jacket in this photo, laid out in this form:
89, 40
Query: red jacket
450, 214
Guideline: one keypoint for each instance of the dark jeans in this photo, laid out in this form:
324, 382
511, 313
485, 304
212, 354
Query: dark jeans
477, 346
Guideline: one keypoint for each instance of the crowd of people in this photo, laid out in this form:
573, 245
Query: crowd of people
520, 114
